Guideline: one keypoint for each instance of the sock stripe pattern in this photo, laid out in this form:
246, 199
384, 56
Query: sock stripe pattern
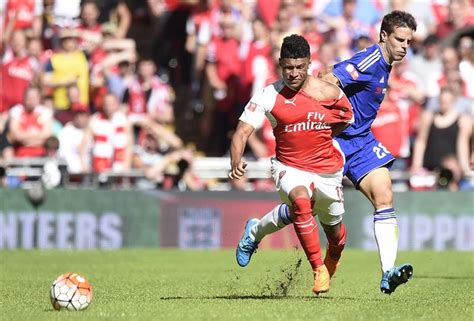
284, 214
384, 214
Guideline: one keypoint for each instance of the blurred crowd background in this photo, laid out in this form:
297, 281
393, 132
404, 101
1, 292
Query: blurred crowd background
124, 87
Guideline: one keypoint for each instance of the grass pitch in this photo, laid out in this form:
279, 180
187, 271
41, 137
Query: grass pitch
208, 285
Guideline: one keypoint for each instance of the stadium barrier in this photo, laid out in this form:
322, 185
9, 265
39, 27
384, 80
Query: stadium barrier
214, 169
111, 219
79, 219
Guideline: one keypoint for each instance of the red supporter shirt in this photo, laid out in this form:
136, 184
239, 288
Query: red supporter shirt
24, 10
31, 122
224, 52
16, 75
301, 125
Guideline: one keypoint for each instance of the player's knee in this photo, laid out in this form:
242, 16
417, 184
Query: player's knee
330, 219
383, 196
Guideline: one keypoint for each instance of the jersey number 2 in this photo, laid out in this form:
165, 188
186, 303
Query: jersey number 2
381, 151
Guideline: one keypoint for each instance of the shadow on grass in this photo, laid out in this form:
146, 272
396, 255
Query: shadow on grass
443, 277
268, 297
244, 297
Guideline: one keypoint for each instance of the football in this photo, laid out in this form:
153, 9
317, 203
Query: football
71, 291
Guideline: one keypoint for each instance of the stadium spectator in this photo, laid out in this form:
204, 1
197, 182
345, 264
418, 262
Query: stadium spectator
258, 65
30, 125
443, 140
449, 76
198, 36
423, 13
148, 97
18, 71
117, 13
52, 175
161, 155
110, 139
66, 14
90, 30
326, 58
70, 140
65, 68
466, 52
368, 12
6, 149
346, 28
460, 15
223, 71
310, 31
112, 65
427, 61
23, 15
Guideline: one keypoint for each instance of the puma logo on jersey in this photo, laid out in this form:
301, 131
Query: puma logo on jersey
290, 101
382, 80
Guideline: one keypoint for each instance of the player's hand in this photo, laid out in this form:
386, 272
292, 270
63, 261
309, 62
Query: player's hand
237, 171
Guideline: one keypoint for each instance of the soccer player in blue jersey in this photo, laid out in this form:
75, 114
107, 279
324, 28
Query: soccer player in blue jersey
363, 79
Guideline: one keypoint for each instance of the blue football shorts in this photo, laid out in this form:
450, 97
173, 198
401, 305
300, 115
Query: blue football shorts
363, 155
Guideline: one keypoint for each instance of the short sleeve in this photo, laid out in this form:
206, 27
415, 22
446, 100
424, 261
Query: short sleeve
255, 110
358, 69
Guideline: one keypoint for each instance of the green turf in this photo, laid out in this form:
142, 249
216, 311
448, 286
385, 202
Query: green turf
208, 285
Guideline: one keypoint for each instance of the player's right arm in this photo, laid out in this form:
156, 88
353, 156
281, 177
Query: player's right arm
252, 118
237, 146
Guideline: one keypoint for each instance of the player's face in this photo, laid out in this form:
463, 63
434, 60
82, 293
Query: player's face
397, 43
294, 71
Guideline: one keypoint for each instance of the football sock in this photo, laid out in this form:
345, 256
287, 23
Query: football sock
337, 242
386, 235
273, 221
307, 231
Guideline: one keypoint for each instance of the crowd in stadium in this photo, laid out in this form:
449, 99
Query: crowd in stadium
121, 85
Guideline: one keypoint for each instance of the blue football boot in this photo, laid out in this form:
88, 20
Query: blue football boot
394, 277
246, 245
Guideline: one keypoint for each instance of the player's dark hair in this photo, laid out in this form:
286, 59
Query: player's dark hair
397, 19
294, 47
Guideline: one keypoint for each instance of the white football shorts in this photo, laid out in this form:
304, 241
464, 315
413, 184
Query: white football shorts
324, 189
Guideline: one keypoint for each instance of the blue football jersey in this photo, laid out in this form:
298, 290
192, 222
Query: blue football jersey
363, 79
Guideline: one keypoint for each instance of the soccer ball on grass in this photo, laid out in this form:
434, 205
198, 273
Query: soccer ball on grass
71, 291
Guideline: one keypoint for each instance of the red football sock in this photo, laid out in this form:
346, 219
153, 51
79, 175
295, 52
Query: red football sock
337, 242
307, 231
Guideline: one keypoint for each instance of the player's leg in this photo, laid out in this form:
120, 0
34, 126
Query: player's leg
256, 229
277, 218
306, 229
336, 236
273, 221
377, 187
329, 206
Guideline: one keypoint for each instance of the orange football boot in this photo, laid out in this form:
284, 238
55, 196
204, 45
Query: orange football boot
322, 280
330, 263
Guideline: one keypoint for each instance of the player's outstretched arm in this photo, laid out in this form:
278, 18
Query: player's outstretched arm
237, 146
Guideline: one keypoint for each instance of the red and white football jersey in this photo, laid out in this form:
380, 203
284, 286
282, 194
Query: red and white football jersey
301, 125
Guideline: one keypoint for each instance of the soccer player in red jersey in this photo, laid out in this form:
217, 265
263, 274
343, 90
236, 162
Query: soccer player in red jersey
305, 112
